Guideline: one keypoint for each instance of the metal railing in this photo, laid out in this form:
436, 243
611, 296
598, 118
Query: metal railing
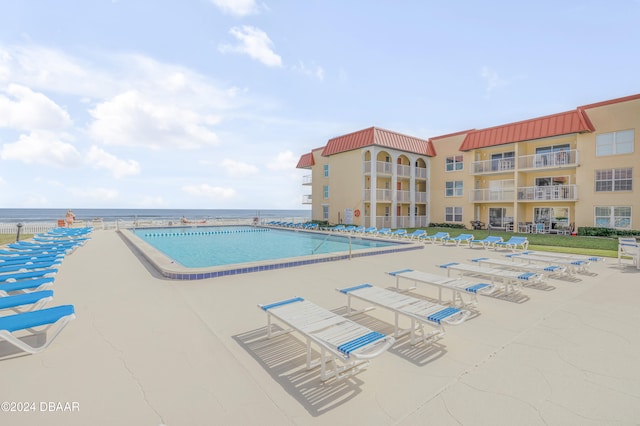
491, 195
553, 192
567, 158
492, 166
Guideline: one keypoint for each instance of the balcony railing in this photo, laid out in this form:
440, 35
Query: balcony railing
492, 166
387, 195
550, 193
491, 195
306, 180
403, 170
307, 199
567, 158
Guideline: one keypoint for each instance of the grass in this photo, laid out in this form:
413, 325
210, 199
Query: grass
595, 246
9, 238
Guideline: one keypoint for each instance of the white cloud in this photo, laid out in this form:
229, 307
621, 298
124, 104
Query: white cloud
30, 110
42, 147
255, 43
2, 181
239, 169
208, 191
314, 71
492, 79
236, 7
285, 160
99, 194
101, 159
133, 119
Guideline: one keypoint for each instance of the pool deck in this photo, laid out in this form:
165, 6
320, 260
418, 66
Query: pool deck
145, 350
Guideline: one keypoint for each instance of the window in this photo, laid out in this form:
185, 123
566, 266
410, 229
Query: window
325, 212
453, 214
614, 180
613, 217
454, 163
325, 192
502, 161
326, 170
453, 188
614, 143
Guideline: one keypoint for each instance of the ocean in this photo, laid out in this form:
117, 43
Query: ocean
111, 215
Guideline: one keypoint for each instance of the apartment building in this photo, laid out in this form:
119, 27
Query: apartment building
547, 174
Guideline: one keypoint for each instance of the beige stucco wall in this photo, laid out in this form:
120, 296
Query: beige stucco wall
608, 118
445, 147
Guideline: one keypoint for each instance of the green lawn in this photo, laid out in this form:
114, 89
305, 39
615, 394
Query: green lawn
11, 238
596, 246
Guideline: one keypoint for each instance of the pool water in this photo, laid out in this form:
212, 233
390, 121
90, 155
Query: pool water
215, 246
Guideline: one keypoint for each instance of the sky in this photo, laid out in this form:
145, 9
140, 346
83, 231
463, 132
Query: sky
209, 104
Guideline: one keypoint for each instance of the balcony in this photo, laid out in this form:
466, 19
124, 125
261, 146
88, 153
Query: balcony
492, 195
382, 167
386, 195
306, 180
485, 167
307, 199
548, 193
560, 159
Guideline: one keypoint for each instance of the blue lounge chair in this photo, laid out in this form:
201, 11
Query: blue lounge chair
338, 228
35, 322
354, 345
486, 242
398, 233
26, 302
459, 239
25, 286
513, 243
438, 236
27, 275
417, 234
384, 231
419, 311
371, 230
26, 266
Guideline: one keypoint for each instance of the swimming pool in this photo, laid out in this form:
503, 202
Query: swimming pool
208, 252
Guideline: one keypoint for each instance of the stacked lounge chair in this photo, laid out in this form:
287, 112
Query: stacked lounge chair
27, 273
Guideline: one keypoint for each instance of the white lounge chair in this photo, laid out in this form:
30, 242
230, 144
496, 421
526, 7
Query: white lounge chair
511, 280
514, 265
458, 286
25, 286
570, 256
14, 327
628, 248
346, 341
573, 265
419, 311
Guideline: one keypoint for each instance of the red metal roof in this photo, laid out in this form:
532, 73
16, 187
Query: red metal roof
551, 125
380, 137
306, 161
612, 101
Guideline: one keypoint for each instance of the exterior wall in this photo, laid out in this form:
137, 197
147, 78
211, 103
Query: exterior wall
608, 118
446, 147
345, 185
